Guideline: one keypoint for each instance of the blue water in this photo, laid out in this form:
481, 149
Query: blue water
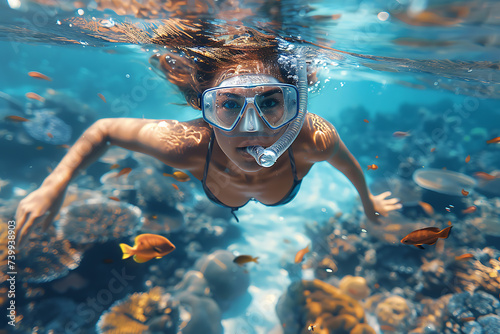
426, 67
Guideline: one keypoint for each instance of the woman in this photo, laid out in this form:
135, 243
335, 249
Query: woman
247, 93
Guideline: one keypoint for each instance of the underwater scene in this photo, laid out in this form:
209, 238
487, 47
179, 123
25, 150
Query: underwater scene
152, 151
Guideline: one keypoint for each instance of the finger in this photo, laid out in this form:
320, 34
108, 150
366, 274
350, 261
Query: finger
385, 194
22, 227
392, 201
395, 206
25, 231
47, 220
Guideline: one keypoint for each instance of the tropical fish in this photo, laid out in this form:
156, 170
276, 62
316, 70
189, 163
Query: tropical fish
467, 319
147, 247
427, 208
433, 149
300, 254
50, 135
38, 75
467, 159
242, 259
114, 198
485, 176
14, 118
470, 209
387, 328
114, 166
179, 176
35, 96
401, 134
493, 141
427, 236
465, 192
366, 121
465, 256
372, 166
102, 97
124, 171
176, 187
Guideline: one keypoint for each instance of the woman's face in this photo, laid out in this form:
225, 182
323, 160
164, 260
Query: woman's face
251, 129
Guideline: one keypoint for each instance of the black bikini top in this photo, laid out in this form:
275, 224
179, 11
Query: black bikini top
288, 197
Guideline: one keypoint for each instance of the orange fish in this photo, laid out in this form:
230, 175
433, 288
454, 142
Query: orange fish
467, 159
39, 148
50, 135
493, 141
376, 157
114, 166
14, 118
64, 146
179, 176
427, 236
485, 176
467, 319
433, 149
176, 187
387, 328
124, 171
300, 254
114, 198
366, 121
464, 257
34, 96
400, 134
242, 259
102, 97
464, 192
470, 209
38, 75
147, 247
372, 166
427, 208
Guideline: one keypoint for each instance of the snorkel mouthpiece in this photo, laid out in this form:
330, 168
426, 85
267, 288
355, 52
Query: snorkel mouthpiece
266, 157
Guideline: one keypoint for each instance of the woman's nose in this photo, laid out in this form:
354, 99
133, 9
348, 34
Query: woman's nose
250, 121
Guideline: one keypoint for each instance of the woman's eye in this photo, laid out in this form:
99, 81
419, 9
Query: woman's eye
230, 104
268, 103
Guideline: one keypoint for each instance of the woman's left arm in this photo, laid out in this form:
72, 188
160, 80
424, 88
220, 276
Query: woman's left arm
345, 162
329, 147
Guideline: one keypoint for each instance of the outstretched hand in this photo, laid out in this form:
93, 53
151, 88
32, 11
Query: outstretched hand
384, 205
38, 208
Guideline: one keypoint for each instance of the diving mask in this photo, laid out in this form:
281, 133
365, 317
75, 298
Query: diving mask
276, 104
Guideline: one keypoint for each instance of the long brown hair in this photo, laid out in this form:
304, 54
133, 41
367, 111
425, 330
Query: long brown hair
205, 60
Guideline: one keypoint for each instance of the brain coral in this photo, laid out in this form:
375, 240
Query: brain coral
325, 306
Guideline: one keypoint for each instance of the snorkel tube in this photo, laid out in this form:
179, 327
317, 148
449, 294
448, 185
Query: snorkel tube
266, 157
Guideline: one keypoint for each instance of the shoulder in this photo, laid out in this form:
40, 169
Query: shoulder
318, 139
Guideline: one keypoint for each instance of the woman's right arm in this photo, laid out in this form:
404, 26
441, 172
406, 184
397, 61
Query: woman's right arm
167, 141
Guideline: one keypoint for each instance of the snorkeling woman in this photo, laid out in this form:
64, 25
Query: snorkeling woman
255, 140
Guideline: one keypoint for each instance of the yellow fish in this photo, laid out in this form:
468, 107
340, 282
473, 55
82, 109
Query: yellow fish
146, 247
427, 236
242, 259
179, 176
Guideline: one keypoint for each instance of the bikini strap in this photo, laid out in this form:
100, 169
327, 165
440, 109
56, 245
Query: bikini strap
292, 163
209, 156
234, 214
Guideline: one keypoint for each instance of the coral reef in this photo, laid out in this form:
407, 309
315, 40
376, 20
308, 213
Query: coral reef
325, 306
394, 312
98, 220
355, 287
